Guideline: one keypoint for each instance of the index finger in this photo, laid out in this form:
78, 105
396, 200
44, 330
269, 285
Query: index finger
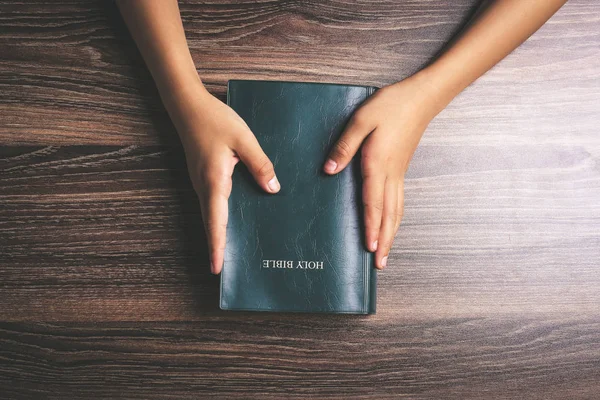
215, 215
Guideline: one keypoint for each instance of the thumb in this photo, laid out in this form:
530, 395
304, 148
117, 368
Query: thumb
258, 163
349, 142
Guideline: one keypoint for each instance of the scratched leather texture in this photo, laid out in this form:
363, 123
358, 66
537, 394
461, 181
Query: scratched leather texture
314, 217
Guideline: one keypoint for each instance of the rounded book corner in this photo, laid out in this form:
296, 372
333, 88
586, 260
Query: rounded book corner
223, 304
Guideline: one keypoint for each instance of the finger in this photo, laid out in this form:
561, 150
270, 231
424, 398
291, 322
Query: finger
372, 194
214, 205
388, 222
347, 145
258, 163
400, 211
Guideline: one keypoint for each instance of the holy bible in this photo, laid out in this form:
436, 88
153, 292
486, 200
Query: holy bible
301, 249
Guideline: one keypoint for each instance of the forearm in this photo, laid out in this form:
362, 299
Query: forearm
158, 32
496, 32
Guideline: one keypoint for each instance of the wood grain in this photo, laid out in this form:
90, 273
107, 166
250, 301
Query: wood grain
303, 357
70, 74
493, 286
517, 232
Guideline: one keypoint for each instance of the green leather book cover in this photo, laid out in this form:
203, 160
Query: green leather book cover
302, 249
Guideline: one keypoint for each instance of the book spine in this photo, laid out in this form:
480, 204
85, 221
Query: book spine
370, 305
369, 263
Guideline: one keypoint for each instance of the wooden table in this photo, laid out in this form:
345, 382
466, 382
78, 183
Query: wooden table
494, 285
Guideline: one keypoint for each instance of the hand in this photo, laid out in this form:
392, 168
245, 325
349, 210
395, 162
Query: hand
215, 139
389, 126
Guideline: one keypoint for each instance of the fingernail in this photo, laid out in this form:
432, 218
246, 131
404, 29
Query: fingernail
273, 184
374, 245
330, 165
384, 261
212, 266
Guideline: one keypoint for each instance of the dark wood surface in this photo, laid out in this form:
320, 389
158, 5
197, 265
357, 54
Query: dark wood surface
493, 287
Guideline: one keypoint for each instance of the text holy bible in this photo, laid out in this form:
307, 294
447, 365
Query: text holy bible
301, 249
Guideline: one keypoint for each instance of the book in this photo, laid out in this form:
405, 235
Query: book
303, 248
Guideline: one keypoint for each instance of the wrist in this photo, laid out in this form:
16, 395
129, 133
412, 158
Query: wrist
184, 94
427, 95
180, 89
441, 82
183, 103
